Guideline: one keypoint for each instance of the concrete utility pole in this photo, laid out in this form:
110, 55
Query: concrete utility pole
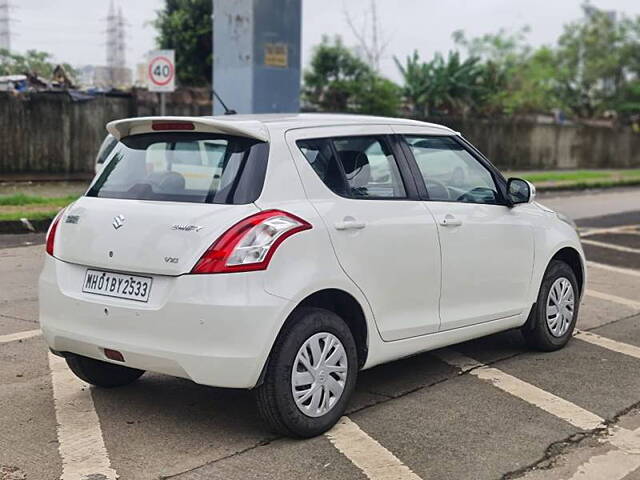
256, 55
5, 25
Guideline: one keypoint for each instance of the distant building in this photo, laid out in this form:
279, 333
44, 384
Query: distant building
141, 75
106, 78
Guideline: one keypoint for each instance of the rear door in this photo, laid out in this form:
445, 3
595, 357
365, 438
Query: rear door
384, 240
161, 200
487, 247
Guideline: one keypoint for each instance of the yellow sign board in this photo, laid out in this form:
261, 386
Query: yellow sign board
276, 55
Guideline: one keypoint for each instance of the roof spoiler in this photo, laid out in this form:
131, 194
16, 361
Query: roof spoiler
136, 126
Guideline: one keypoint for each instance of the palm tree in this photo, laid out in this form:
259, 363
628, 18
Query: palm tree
442, 84
416, 76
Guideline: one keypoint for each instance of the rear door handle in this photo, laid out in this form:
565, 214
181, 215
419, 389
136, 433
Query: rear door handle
450, 221
349, 224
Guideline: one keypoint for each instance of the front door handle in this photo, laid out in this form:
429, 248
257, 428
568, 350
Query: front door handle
349, 223
450, 221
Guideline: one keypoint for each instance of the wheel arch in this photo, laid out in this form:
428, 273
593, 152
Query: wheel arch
342, 304
572, 257
349, 309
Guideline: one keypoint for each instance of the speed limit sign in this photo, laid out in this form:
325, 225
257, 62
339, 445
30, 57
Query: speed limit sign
161, 71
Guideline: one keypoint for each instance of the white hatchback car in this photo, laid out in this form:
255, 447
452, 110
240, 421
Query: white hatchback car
284, 253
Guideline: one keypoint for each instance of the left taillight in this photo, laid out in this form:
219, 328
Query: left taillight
250, 243
51, 234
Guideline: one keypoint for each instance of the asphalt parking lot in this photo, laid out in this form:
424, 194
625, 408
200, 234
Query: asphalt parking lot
485, 409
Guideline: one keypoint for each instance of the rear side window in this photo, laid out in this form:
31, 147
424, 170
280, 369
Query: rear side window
184, 167
107, 146
357, 167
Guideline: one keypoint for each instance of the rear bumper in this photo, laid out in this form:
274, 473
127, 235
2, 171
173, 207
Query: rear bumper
213, 329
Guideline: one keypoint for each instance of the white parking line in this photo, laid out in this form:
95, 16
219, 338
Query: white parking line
624, 348
375, 461
625, 271
610, 246
548, 402
630, 229
14, 337
80, 441
613, 298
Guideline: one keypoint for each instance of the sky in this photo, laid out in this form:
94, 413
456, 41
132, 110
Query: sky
74, 30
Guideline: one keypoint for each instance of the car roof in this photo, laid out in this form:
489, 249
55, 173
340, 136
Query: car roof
310, 120
259, 125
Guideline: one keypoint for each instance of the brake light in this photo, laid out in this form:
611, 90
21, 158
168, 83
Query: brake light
250, 243
162, 126
51, 234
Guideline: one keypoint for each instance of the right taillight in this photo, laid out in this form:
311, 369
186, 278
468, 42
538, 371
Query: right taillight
250, 243
51, 234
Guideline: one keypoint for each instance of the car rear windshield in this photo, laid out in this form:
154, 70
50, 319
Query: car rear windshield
184, 167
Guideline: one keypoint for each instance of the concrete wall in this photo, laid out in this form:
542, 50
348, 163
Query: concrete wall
49, 133
525, 145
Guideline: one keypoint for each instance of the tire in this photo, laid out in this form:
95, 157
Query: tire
275, 397
538, 331
102, 374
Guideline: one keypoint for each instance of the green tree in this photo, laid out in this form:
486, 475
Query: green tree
445, 84
533, 87
416, 75
338, 81
186, 27
503, 56
596, 58
503, 49
628, 101
33, 62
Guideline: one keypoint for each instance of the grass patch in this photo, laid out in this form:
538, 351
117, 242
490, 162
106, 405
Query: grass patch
20, 199
30, 215
578, 177
630, 173
572, 176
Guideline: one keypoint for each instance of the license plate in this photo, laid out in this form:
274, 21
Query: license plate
109, 284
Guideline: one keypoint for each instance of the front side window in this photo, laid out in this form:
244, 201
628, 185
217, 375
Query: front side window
451, 173
184, 167
357, 167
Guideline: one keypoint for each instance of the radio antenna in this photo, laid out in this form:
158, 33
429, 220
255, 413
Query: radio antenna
227, 111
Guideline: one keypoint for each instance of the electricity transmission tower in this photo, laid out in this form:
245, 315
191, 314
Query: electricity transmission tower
5, 25
116, 44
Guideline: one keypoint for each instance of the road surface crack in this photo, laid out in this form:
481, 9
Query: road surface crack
561, 447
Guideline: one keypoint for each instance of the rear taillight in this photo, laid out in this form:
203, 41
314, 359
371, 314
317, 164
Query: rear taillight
250, 243
51, 234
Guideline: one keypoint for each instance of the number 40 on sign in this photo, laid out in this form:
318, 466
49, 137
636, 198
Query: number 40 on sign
161, 71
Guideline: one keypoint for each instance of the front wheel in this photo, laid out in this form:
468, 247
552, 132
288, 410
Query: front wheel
310, 376
553, 319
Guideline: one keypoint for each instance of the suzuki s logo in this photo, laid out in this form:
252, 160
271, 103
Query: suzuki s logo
118, 221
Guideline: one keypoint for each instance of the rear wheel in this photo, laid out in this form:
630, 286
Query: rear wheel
553, 319
310, 376
102, 374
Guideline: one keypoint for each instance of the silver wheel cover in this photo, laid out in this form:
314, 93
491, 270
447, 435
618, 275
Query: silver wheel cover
319, 374
560, 307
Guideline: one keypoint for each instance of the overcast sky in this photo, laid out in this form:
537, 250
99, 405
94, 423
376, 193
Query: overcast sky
74, 30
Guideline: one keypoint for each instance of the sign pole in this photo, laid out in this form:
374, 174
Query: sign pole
163, 104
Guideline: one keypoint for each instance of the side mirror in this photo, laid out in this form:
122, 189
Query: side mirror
520, 191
